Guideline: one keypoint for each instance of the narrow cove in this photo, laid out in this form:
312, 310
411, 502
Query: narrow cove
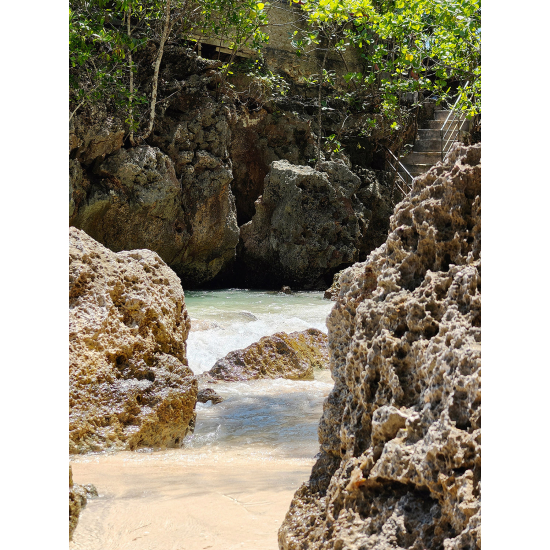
231, 483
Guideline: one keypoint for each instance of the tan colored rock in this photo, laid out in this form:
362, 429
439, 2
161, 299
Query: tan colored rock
281, 355
78, 498
130, 385
400, 461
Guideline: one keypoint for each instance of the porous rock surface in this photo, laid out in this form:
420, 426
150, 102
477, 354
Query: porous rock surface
95, 134
282, 355
130, 385
134, 199
400, 435
307, 223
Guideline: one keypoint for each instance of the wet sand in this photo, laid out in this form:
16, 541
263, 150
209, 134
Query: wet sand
174, 501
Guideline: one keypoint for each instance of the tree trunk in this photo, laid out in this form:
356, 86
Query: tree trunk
130, 108
320, 110
157, 67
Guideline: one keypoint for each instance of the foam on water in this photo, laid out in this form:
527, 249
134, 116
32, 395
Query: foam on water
241, 317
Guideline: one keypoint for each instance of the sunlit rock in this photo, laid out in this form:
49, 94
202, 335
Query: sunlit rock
400, 461
78, 498
130, 385
281, 355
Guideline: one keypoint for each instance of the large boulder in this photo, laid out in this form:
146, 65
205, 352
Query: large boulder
307, 223
400, 435
134, 200
282, 355
130, 385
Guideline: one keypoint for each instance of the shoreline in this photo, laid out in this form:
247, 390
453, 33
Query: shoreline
181, 500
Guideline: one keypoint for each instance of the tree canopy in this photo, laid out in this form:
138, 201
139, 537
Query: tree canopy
406, 46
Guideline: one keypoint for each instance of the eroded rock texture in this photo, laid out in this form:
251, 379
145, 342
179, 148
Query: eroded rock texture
307, 223
400, 462
78, 498
281, 355
259, 138
130, 385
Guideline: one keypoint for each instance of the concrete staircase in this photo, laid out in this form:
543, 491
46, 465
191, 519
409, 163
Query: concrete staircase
427, 147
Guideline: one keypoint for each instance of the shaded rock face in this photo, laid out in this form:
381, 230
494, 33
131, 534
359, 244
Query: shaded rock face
94, 135
281, 355
134, 199
400, 435
307, 223
259, 138
185, 192
332, 292
130, 385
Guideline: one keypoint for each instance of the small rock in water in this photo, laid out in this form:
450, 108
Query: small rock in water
248, 315
282, 355
208, 394
201, 324
286, 290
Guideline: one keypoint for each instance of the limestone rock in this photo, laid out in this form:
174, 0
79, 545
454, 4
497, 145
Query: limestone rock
94, 134
332, 292
208, 394
135, 201
78, 498
307, 223
258, 138
281, 355
130, 385
400, 435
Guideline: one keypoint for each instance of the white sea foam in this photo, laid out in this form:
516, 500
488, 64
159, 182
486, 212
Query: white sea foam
244, 316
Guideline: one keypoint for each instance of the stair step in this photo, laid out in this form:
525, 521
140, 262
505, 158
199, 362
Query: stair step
422, 158
427, 145
437, 124
430, 124
417, 169
441, 114
430, 134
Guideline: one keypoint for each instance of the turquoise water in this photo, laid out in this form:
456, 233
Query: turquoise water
237, 318
274, 417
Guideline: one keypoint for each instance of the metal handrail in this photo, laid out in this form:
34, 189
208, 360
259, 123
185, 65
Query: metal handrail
451, 129
408, 186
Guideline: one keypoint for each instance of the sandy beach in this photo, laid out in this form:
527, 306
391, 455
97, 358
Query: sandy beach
173, 500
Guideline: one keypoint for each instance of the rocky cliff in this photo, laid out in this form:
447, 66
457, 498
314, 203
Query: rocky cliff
400, 435
187, 189
130, 385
